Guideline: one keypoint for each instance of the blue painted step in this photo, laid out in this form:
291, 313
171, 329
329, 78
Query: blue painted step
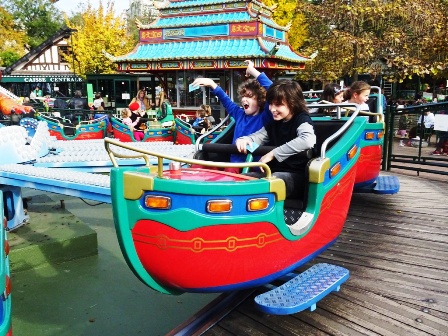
387, 185
382, 185
303, 291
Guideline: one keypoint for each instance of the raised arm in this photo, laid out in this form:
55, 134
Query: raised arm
205, 82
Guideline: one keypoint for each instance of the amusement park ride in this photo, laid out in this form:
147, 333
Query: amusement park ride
186, 225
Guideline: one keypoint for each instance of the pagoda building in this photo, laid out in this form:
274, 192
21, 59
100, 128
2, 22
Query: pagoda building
208, 38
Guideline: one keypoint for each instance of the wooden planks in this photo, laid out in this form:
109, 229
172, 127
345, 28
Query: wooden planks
396, 248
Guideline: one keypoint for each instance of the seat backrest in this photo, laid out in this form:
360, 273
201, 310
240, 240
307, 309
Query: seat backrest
323, 130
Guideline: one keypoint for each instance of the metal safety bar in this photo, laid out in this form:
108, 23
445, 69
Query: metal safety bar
145, 153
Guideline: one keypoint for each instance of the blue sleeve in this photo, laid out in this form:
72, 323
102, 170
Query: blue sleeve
266, 83
264, 80
232, 108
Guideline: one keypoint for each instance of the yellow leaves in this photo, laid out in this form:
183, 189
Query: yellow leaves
97, 30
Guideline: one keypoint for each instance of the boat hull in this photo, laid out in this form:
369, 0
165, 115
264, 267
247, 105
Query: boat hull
86, 131
369, 162
124, 134
232, 256
185, 248
185, 135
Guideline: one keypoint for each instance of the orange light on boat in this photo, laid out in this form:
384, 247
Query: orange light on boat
352, 152
335, 169
380, 134
219, 206
370, 135
6, 248
158, 202
7, 288
257, 204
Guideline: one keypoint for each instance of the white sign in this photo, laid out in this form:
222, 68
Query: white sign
441, 122
427, 95
125, 96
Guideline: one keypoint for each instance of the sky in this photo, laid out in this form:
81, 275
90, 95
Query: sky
73, 5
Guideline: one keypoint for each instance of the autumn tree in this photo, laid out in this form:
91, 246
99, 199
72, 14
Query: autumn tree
392, 38
13, 39
285, 14
40, 19
97, 30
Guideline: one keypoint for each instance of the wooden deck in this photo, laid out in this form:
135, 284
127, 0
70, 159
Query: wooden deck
396, 248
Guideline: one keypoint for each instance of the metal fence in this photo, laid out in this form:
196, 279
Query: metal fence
414, 151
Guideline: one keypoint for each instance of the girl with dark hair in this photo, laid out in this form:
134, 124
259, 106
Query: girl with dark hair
332, 93
292, 132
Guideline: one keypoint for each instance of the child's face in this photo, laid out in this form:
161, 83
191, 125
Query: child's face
360, 98
339, 98
250, 104
280, 111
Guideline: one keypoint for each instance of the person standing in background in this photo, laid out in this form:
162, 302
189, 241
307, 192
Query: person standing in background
142, 100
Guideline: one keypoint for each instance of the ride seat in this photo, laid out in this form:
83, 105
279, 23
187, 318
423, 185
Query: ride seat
293, 207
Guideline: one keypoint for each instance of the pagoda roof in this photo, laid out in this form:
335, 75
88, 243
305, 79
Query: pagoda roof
191, 3
210, 19
211, 49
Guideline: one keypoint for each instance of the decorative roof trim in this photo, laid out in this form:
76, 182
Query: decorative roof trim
219, 19
183, 4
265, 52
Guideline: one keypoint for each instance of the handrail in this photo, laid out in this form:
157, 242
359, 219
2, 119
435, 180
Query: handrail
54, 119
346, 106
161, 156
323, 149
82, 122
198, 141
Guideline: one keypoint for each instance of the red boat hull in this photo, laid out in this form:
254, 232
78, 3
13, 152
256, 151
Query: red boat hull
369, 164
238, 255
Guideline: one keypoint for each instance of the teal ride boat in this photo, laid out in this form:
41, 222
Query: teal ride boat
185, 134
197, 228
64, 129
5, 280
160, 128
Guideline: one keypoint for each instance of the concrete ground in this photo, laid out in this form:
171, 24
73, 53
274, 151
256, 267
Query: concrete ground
92, 295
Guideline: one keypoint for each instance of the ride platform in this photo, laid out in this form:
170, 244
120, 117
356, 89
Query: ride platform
396, 250
53, 235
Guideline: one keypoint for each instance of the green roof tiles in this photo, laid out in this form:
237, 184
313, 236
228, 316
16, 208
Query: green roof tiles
195, 20
208, 49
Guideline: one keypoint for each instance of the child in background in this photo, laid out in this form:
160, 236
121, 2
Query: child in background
253, 114
292, 132
98, 101
332, 93
135, 119
126, 117
208, 114
199, 123
402, 127
358, 93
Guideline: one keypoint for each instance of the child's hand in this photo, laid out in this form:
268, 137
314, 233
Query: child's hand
266, 158
205, 82
251, 71
241, 144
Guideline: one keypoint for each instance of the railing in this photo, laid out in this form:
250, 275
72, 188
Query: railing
418, 158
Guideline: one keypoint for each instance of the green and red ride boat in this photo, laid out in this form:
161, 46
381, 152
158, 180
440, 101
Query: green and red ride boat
205, 230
